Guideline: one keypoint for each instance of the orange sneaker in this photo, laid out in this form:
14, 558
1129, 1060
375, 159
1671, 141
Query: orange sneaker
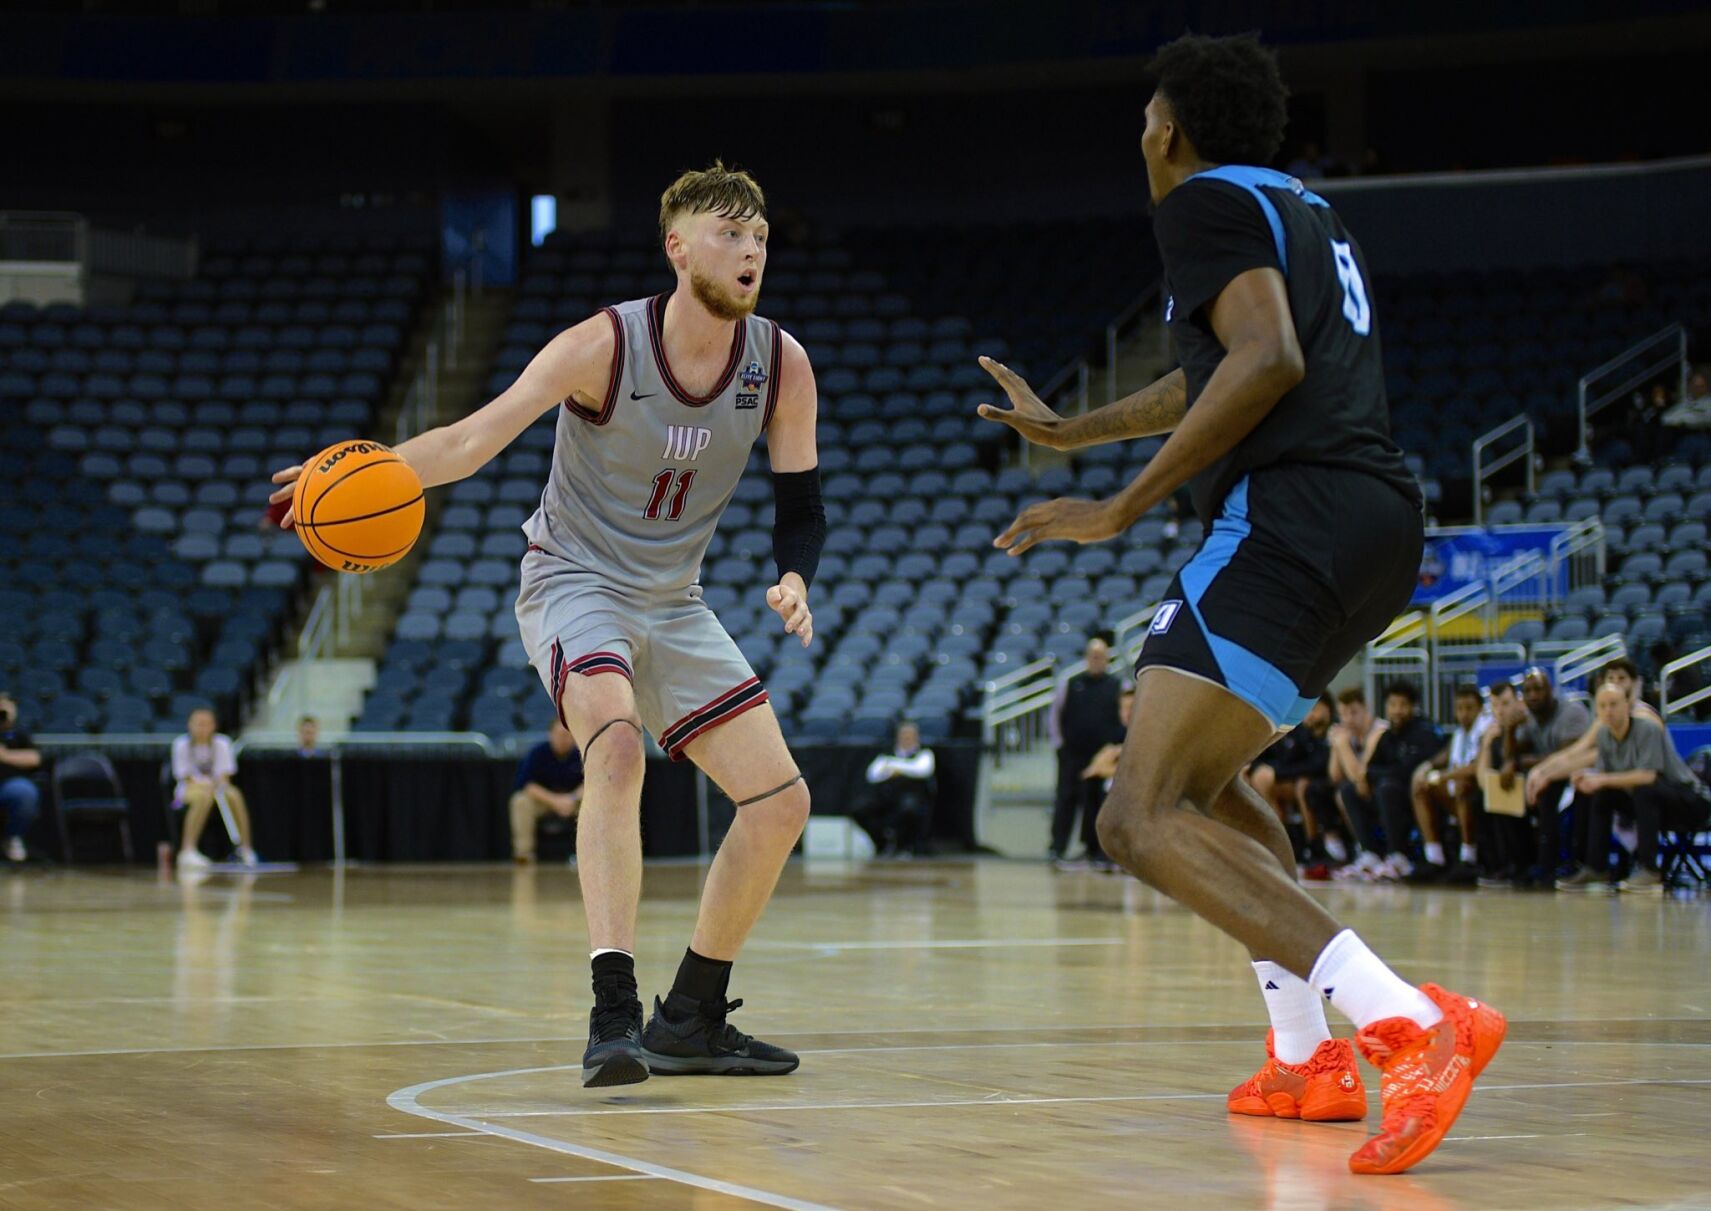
1326, 1089
1426, 1077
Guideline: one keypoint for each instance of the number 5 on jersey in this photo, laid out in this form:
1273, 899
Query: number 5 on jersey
1356, 309
662, 487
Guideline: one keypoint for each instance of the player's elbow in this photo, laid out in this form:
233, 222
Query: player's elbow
1284, 364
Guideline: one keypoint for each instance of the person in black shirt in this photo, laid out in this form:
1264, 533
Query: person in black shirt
549, 782
1279, 425
19, 798
1407, 742
1083, 720
1294, 776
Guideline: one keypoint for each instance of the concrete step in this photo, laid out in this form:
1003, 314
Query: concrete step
330, 689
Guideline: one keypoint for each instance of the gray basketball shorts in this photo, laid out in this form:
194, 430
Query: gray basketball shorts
686, 670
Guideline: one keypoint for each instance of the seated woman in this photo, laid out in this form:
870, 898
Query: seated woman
203, 767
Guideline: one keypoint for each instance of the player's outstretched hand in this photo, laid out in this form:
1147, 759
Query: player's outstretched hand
791, 606
287, 478
1076, 520
1027, 414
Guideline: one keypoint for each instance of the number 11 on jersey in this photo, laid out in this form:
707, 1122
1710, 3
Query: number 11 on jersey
662, 486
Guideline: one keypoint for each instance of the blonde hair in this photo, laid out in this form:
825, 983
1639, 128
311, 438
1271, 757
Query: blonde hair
712, 190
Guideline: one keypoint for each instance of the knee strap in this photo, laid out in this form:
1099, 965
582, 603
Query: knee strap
602, 732
779, 789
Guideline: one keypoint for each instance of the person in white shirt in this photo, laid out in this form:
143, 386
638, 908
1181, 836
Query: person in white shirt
897, 815
203, 766
1450, 783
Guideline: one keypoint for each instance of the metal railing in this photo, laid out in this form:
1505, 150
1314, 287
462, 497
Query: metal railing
1636, 365
43, 236
1668, 706
1114, 331
1581, 546
1014, 706
1483, 470
1587, 657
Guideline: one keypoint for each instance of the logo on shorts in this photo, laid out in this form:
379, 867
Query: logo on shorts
1167, 611
1169, 307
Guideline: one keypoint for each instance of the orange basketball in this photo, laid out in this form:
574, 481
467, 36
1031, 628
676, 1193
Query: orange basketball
358, 506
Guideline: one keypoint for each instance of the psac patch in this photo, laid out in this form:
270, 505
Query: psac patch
1167, 612
748, 399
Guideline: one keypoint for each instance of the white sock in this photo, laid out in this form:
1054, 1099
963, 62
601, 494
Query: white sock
1297, 1017
1363, 989
607, 950
1469, 853
1435, 853
1335, 847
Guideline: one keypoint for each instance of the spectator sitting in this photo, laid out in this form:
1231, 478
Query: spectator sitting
549, 781
19, 759
308, 737
1450, 783
1409, 741
1639, 773
897, 815
1294, 775
203, 767
1353, 740
1583, 755
1552, 725
1083, 720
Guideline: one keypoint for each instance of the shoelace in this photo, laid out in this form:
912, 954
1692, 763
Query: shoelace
615, 1019
723, 1033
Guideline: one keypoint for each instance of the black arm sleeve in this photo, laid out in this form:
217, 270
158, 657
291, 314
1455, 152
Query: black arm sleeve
799, 522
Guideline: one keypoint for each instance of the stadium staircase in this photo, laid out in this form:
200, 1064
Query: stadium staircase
345, 629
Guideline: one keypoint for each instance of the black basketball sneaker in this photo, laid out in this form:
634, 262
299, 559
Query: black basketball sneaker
703, 1042
614, 1055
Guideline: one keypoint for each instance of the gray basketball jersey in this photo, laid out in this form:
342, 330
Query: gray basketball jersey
637, 488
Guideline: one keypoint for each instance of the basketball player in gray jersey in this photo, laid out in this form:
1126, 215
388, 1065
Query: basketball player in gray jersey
659, 403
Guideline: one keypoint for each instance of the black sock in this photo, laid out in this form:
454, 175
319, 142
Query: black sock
698, 979
615, 977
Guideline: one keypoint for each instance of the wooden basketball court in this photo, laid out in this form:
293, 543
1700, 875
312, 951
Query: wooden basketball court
974, 1034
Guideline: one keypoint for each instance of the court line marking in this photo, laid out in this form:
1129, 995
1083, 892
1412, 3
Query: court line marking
406, 1102
996, 1099
611, 1177
426, 1135
939, 944
1550, 1135
567, 1038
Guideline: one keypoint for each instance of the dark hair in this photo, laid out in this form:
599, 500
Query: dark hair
1226, 94
1352, 695
1468, 691
1500, 686
1401, 689
1328, 702
1619, 665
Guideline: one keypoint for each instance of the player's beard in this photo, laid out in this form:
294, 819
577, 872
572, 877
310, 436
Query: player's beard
721, 303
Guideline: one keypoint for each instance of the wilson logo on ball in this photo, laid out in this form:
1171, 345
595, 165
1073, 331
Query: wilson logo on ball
358, 507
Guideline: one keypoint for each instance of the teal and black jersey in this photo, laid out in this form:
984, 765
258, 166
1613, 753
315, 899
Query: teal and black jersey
1225, 221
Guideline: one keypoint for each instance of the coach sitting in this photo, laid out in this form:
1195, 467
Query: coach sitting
549, 782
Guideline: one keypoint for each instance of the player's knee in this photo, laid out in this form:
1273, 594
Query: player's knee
1120, 830
616, 750
786, 812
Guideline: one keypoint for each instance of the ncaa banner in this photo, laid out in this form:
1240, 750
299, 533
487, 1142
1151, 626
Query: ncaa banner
1459, 556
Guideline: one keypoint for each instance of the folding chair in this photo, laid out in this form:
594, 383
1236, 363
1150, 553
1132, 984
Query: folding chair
104, 800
